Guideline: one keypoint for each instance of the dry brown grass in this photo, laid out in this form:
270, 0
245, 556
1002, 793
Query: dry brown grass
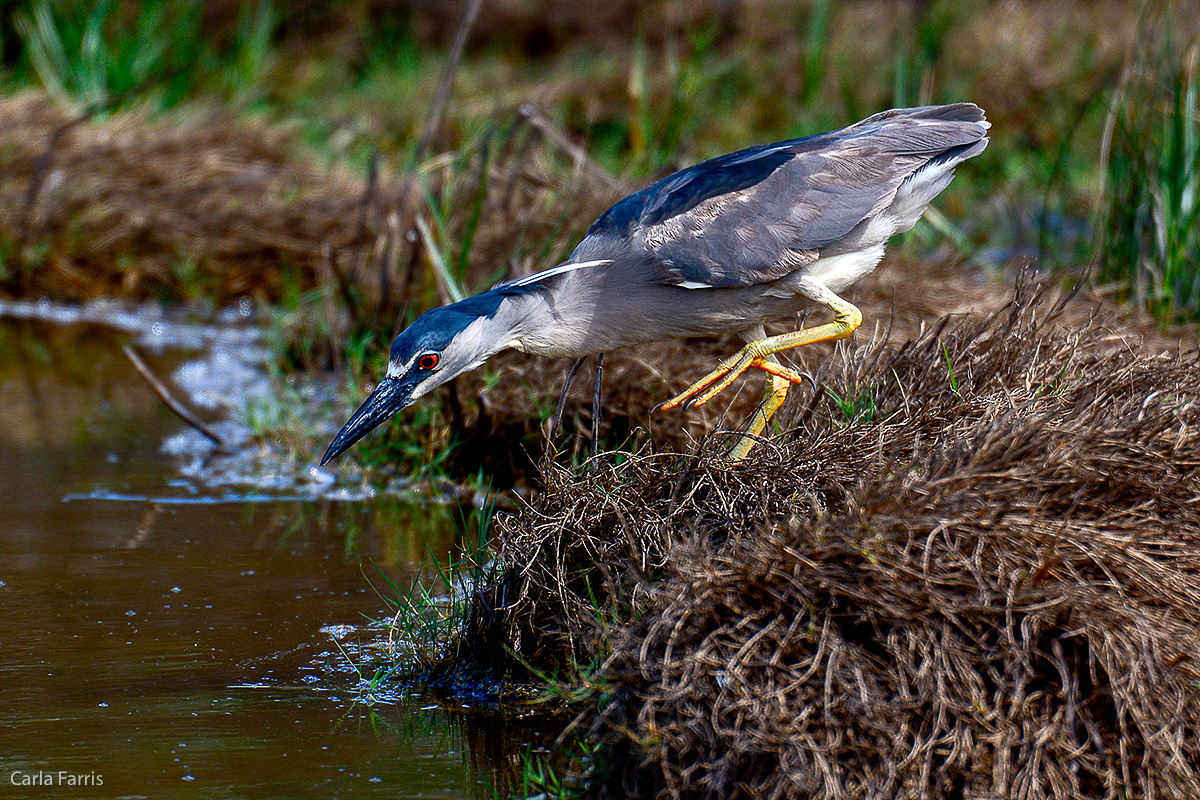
988, 588
129, 206
186, 206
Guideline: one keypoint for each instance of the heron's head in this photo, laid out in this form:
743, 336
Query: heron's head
442, 344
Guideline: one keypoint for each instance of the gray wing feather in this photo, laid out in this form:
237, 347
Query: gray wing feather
786, 201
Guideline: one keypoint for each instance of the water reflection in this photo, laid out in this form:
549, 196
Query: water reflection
179, 641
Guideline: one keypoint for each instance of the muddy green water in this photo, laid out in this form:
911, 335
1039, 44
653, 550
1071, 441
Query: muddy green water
163, 639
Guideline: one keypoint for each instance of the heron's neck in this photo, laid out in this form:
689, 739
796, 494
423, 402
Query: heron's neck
503, 322
527, 321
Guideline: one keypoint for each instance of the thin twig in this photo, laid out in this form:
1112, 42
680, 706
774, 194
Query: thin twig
369, 196
404, 295
446, 281
329, 277
329, 256
438, 109
42, 168
564, 143
165, 395
403, 212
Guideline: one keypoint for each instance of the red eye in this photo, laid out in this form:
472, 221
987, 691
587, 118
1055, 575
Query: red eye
428, 361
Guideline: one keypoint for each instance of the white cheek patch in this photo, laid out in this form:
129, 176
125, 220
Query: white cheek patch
395, 372
401, 371
424, 386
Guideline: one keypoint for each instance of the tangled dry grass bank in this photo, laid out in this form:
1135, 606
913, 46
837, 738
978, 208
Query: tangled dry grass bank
130, 207
207, 204
978, 575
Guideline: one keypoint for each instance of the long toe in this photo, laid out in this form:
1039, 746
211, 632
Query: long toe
714, 382
780, 371
700, 385
729, 376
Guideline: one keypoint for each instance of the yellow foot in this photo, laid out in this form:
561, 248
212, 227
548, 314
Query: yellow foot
761, 355
726, 373
776, 393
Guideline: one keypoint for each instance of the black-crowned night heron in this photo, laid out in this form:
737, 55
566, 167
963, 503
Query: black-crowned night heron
724, 246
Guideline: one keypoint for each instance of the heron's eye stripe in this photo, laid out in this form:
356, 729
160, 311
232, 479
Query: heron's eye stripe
428, 361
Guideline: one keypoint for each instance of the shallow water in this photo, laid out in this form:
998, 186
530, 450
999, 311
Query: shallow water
164, 637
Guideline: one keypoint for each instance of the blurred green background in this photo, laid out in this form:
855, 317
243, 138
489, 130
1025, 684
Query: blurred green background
350, 164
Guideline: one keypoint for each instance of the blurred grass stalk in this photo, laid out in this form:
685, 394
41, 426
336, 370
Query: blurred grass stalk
1150, 221
79, 59
101, 55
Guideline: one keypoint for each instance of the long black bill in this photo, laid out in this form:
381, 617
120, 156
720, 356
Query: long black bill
389, 397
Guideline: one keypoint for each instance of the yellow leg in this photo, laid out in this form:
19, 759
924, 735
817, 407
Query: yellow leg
777, 389
846, 319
